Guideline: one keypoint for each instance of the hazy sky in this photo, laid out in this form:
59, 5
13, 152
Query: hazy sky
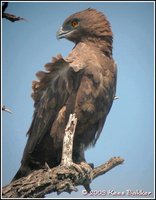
129, 129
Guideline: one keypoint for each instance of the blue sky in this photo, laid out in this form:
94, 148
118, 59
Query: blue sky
129, 128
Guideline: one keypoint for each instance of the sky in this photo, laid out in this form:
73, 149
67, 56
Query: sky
129, 128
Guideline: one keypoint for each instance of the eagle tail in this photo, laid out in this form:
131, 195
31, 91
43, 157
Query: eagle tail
22, 172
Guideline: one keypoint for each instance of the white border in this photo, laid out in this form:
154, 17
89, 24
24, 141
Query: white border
153, 75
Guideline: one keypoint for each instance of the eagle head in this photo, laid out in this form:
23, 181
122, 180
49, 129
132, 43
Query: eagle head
82, 26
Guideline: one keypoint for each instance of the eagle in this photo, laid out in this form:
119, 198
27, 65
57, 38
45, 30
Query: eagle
83, 83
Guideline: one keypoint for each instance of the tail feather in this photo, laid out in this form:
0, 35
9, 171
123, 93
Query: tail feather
22, 172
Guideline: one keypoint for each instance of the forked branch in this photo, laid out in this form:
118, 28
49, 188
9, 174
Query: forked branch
63, 178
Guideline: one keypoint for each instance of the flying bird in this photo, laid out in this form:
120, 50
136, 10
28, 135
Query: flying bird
83, 83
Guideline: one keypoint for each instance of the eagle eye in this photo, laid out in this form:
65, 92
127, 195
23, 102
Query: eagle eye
74, 23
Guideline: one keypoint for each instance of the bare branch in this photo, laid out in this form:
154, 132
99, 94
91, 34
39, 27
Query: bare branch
102, 169
116, 97
9, 16
6, 109
4, 7
12, 17
63, 178
68, 141
59, 179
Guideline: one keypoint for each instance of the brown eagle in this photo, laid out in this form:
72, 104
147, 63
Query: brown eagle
84, 83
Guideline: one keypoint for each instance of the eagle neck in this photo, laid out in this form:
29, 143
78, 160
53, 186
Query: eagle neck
104, 44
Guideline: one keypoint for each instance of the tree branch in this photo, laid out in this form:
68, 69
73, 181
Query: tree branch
102, 169
68, 141
6, 109
63, 178
9, 16
12, 17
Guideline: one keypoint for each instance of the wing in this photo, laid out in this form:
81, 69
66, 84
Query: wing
50, 94
94, 99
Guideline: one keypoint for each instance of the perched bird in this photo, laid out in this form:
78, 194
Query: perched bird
84, 83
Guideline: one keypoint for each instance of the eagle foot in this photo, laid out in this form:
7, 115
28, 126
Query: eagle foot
77, 167
66, 187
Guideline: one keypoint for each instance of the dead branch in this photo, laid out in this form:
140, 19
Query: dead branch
4, 7
102, 169
63, 178
68, 141
59, 179
9, 16
6, 109
12, 17
116, 97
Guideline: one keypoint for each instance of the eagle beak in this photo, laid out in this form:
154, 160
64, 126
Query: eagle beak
61, 33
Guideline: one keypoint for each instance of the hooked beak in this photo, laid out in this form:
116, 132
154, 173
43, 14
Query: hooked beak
61, 33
